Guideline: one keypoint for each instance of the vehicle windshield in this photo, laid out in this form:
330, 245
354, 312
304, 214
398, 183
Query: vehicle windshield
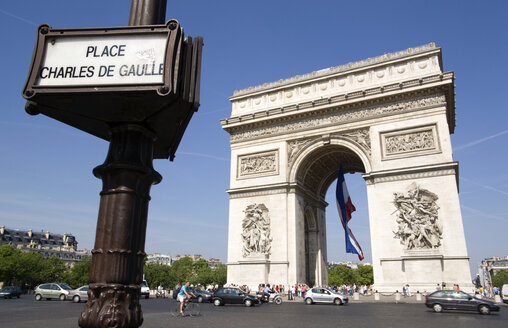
144, 284
65, 286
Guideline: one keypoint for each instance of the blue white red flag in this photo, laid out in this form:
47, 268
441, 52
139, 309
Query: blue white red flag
346, 208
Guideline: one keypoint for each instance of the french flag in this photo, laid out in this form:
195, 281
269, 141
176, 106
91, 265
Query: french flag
346, 208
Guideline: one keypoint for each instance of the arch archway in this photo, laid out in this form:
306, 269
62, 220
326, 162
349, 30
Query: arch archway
388, 118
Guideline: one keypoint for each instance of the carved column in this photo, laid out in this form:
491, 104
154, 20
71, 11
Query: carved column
117, 257
127, 176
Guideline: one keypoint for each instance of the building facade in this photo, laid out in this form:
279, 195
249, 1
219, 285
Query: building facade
48, 244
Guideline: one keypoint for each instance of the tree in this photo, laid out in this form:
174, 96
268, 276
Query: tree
220, 274
202, 273
8, 264
340, 275
54, 269
181, 271
500, 278
30, 269
79, 274
364, 275
157, 274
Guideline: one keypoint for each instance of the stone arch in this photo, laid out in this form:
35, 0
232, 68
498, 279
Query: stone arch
317, 154
389, 118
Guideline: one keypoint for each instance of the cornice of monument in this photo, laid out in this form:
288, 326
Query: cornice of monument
327, 72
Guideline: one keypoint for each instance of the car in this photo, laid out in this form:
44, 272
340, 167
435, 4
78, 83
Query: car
52, 290
458, 300
79, 294
504, 293
10, 292
201, 294
145, 290
233, 295
324, 295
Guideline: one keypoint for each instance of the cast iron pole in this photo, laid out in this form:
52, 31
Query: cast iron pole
127, 176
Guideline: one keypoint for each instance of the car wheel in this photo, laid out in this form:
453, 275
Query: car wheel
308, 301
147, 297
62, 297
216, 302
38, 297
337, 301
278, 301
76, 299
484, 309
200, 299
437, 308
248, 302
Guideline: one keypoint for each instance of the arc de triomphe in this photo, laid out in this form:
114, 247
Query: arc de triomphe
389, 118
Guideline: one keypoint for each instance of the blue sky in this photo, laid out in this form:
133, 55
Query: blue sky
46, 180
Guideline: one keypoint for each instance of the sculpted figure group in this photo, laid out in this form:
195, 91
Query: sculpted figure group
256, 230
417, 219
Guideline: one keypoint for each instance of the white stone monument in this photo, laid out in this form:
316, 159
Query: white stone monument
389, 118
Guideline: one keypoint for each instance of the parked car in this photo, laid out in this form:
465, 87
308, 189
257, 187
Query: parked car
458, 300
52, 290
10, 292
504, 293
145, 289
324, 295
201, 294
79, 294
233, 295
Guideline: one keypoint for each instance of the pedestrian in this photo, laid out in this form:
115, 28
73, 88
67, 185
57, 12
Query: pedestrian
408, 290
404, 290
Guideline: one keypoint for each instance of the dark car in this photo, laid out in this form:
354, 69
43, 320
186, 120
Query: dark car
201, 294
10, 292
233, 295
458, 300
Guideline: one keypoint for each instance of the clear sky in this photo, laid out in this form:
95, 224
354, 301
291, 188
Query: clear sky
46, 180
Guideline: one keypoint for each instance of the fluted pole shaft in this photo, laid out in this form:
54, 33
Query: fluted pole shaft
127, 176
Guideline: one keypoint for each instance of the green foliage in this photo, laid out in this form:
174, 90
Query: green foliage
220, 274
364, 275
8, 265
157, 275
342, 275
500, 278
79, 274
184, 270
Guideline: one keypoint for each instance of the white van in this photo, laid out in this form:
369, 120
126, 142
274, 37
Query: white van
504, 293
145, 290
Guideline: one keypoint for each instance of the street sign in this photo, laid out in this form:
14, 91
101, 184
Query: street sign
96, 78
102, 60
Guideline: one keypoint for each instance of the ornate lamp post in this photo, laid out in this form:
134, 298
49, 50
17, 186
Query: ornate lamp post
143, 117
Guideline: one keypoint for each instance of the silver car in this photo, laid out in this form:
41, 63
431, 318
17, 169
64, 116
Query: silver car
324, 295
52, 290
79, 294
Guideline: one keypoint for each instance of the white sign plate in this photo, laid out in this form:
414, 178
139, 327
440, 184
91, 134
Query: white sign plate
103, 60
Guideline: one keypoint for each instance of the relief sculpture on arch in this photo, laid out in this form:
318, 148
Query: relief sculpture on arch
418, 224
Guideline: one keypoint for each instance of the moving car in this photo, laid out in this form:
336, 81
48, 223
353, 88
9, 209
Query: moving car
52, 290
10, 292
233, 295
324, 295
504, 293
458, 300
201, 294
79, 294
145, 289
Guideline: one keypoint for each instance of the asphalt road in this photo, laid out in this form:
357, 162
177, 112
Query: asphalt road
25, 312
